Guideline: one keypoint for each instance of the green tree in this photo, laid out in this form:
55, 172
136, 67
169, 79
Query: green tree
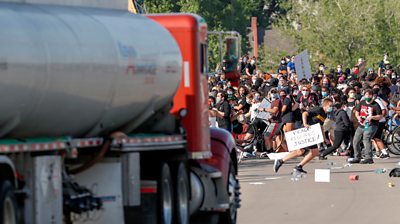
340, 31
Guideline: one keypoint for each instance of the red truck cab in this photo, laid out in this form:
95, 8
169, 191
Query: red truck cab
190, 32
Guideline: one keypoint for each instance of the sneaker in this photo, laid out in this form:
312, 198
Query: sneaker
277, 164
322, 158
377, 156
353, 160
366, 161
299, 168
263, 155
384, 156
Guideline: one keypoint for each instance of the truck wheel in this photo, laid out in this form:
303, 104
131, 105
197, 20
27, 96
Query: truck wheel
8, 203
233, 187
165, 196
205, 218
182, 195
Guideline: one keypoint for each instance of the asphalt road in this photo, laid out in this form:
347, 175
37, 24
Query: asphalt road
273, 198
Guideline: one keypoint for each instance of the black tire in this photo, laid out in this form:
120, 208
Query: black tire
233, 188
182, 195
280, 146
8, 203
165, 195
205, 218
395, 141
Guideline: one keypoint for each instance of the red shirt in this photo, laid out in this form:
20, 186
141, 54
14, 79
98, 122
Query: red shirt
276, 117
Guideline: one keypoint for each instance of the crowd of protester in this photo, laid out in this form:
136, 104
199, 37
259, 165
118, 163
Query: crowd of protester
351, 105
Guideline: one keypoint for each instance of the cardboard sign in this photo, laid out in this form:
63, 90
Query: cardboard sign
304, 137
302, 65
322, 175
264, 115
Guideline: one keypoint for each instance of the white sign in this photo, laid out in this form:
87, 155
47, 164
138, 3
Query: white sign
322, 175
304, 137
302, 65
264, 115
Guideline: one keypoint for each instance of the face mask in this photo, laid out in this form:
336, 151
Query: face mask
295, 93
339, 69
330, 109
324, 94
228, 85
252, 62
230, 93
218, 99
257, 98
368, 99
274, 96
321, 68
305, 93
326, 84
248, 101
282, 62
352, 95
254, 81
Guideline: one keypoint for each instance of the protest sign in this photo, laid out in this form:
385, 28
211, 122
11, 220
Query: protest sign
304, 137
302, 65
264, 115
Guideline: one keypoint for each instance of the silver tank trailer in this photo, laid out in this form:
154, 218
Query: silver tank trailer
81, 72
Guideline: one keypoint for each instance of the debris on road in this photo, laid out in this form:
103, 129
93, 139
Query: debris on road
353, 177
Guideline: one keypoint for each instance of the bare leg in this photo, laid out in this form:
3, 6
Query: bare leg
293, 154
313, 153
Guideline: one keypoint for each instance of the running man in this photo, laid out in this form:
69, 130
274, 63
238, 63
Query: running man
316, 115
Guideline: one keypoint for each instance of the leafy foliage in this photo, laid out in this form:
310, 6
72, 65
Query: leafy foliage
341, 31
223, 15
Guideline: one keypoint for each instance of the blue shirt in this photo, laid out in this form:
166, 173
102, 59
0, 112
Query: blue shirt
291, 66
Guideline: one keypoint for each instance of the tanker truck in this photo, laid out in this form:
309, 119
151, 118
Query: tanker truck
104, 120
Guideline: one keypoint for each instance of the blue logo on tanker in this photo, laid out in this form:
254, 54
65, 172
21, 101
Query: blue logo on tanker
126, 51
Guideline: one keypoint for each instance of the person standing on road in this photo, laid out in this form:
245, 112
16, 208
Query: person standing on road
223, 111
368, 113
342, 130
316, 115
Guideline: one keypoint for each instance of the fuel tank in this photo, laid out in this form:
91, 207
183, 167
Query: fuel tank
82, 72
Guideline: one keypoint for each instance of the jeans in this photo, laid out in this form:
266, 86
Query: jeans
340, 136
366, 137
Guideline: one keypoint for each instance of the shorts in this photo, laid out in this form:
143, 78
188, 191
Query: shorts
379, 131
308, 149
272, 130
288, 118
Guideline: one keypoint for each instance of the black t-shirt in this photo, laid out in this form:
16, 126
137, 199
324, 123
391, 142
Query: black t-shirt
246, 106
367, 110
224, 122
242, 67
316, 115
287, 116
251, 68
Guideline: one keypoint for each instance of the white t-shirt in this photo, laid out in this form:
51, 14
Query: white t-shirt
213, 122
253, 109
382, 106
